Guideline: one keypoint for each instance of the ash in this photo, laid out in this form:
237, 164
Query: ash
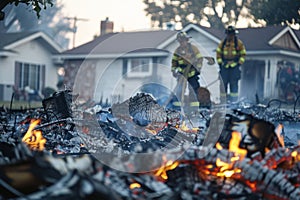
93, 152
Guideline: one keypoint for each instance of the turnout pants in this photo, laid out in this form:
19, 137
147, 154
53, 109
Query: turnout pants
193, 85
230, 77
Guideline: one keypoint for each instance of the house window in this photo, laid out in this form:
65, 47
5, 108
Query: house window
139, 67
29, 75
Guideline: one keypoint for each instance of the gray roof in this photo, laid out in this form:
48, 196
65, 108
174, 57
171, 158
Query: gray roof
255, 39
14, 37
297, 32
9, 38
123, 42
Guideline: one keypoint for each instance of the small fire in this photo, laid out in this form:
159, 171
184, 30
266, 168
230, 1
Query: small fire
185, 128
226, 169
234, 145
162, 171
34, 138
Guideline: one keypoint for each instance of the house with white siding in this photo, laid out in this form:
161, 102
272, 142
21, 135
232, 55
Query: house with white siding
26, 60
115, 66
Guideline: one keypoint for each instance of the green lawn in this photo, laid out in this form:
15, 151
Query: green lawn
21, 104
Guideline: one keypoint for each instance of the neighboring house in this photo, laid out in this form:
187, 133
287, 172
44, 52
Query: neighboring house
26, 60
114, 66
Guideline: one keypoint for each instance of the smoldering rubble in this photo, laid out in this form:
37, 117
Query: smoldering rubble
66, 150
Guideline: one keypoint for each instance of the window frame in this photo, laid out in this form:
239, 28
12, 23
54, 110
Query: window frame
33, 71
132, 74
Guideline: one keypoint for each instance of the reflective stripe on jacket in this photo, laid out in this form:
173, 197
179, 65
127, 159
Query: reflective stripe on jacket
231, 53
182, 58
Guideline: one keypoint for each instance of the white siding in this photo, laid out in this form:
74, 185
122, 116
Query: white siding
31, 52
34, 52
7, 71
107, 77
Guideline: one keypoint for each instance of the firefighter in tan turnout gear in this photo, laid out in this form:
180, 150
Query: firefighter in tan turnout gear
230, 55
186, 67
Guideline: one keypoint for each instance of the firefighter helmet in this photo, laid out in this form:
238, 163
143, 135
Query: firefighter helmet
231, 30
182, 36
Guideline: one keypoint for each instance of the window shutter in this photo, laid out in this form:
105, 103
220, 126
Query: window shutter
17, 74
43, 76
124, 69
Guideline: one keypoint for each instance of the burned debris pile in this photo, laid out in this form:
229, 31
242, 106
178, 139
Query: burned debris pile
139, 150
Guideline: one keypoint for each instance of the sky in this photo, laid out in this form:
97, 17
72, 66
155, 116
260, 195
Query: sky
127, 15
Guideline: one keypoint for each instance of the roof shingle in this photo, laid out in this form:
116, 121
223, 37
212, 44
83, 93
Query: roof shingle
9, 38
119, 43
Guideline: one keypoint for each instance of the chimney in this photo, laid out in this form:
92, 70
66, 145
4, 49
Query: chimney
106, 26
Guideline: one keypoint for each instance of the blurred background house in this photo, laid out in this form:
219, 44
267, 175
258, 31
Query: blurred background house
26, 60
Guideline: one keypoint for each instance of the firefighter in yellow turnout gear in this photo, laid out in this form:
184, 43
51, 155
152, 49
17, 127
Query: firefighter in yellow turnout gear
186, 66
230, 55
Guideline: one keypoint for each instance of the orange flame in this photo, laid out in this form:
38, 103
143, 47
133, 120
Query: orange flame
185, 128
162, 171
234, 145
134, 185
219, 146
279, 135
34, 138
226, 169
296, 156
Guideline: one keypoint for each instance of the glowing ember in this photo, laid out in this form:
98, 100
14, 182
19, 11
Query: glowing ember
219, 146
85, 130
296, 156
134, 185
34, 138
226, 169
154, 132
185, 128
162, 171
267, 150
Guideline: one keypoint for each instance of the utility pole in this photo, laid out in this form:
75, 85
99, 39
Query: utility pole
74, 28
